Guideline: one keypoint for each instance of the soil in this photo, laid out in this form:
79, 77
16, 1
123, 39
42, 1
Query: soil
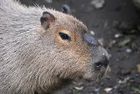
117, 26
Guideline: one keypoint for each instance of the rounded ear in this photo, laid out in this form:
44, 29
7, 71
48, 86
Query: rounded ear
46, 19
66, 9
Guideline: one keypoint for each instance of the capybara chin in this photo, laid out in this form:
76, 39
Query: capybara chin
39, 48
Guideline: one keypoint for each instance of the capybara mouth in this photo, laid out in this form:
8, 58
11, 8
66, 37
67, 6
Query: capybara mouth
97, 75
103, 73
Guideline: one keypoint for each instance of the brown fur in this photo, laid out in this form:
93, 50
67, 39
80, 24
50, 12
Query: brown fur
34, 58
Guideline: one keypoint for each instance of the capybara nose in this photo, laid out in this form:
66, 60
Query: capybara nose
90, 39
103, 62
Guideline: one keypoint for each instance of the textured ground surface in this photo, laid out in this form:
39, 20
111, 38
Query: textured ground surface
117, 25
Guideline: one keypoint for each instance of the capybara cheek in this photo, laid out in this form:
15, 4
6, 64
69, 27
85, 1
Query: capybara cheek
88, 76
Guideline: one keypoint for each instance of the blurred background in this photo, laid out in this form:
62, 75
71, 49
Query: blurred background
116, 23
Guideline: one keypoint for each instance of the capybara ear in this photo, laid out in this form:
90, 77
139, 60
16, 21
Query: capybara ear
46, 19
66, 9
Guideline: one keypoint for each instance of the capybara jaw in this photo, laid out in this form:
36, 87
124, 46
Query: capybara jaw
41, 48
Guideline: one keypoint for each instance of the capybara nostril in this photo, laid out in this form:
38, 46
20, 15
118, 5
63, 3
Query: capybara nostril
103, 62
39, 56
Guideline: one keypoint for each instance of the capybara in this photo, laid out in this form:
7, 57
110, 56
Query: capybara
41, 47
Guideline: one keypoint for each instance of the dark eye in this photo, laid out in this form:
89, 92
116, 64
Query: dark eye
65, 36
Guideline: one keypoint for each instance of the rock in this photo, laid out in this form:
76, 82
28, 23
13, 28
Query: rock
98, 3
107, 90
79, 88
125, 80
128, 50
92, 33
117, 35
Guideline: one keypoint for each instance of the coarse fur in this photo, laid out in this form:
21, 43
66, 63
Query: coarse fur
34, 59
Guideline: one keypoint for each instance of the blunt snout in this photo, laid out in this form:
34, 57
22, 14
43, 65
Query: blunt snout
102, 63
102, 56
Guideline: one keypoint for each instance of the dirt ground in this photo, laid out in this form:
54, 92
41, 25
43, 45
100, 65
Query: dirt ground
117, 26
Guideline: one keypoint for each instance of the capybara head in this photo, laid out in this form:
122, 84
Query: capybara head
74, 52
36, 56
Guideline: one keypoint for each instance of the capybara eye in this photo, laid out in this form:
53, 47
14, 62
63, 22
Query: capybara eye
64, 36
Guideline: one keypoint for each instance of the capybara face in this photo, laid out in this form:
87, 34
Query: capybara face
77, 53
37, 56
